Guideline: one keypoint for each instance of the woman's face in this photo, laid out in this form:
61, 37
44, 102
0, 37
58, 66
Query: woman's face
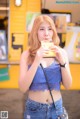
45, 32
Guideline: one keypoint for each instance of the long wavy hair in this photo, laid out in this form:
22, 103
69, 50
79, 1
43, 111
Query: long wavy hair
34, 42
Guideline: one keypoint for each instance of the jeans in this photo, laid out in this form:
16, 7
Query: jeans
36, 110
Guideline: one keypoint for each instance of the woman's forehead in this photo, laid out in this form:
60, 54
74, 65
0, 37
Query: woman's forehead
45, 24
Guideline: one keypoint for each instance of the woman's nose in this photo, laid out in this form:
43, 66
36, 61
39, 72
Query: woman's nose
46, 32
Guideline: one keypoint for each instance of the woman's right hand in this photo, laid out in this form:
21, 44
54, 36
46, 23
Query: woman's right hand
40, 53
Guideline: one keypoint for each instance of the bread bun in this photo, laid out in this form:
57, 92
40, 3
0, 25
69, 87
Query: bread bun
47, 47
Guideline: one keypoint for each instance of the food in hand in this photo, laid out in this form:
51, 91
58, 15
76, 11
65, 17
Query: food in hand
48, 49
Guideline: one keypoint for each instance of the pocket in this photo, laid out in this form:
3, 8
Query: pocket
33, 107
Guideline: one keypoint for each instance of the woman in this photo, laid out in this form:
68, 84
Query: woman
39, 104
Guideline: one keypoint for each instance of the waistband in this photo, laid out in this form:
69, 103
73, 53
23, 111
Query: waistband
44, 105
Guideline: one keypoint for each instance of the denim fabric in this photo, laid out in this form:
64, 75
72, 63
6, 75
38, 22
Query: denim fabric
53, 73
35, 110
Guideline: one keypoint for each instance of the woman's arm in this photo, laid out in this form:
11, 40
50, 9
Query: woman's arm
62, 58
66, 74
26, 75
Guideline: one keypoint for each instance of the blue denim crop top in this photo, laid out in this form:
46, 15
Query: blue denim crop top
53, 73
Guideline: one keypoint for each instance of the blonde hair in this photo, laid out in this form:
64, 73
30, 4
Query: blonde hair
34, 42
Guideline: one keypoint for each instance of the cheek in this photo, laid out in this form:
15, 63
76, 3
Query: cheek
40, 36
51, 34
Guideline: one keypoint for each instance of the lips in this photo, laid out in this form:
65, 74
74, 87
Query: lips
47, 39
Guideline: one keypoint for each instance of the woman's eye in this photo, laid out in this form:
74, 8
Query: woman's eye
50, 29
41, 29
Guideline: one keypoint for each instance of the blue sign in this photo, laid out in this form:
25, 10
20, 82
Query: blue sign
68, 1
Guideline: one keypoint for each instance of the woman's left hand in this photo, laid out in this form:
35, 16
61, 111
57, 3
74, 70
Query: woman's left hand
59, 54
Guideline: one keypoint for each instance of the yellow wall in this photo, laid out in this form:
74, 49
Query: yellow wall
75, 72
18, 25
18, 28
13, 81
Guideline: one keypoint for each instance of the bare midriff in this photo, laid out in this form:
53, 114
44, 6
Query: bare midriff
44, 96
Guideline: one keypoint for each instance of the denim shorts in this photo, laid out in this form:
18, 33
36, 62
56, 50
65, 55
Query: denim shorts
36, 110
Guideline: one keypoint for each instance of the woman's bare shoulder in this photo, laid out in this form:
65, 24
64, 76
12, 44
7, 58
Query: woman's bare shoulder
25, 54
